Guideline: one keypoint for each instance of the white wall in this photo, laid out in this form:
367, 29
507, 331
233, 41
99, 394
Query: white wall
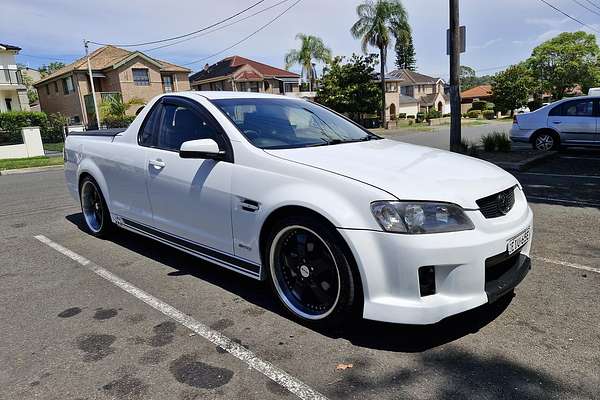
31, 147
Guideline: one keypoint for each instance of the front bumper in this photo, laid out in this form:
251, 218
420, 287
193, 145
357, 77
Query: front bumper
388, 264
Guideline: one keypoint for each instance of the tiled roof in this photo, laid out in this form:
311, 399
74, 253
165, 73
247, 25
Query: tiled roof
411, 77
103, 58
4, 46
477, 91
404, 99
229, 65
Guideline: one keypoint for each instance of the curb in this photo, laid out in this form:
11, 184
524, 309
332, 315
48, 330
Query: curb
526, 164
29, 170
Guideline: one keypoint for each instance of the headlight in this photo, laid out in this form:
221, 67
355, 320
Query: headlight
420, 217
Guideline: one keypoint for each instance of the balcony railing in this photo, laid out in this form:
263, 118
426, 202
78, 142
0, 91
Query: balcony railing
100, 97
10, 77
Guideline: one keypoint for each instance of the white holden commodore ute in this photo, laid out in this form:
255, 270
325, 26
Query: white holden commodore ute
339, 221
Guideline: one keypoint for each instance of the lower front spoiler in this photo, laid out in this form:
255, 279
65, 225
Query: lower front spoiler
503, 274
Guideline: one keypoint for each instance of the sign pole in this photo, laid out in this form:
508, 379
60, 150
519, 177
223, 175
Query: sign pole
454, 47
87, 55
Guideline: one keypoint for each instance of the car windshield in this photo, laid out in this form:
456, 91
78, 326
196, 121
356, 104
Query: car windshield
286, 123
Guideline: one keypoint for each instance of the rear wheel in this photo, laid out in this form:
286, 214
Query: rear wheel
95, 212
310, 271
545, 141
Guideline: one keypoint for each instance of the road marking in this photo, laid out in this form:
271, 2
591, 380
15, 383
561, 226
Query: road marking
562, 175
580, 158
584, 203
278, 375
568, 264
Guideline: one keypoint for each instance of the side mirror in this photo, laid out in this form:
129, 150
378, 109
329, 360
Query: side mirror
201, 148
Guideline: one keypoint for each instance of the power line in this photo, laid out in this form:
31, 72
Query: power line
180, 36
246, 37
45, 58
594, 4
569, 16
218, 28
587, 8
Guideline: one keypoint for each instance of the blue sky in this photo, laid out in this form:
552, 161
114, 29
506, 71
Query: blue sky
499, 33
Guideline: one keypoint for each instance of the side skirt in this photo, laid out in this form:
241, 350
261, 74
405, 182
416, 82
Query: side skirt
224, 260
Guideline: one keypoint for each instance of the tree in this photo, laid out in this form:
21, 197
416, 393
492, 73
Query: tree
377, 22
405, 54
113, 111
567, 60
469, 78
349, 87
32, 94
511, 88
46, 70
311, 48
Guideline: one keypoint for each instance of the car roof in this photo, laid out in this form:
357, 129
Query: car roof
214, 95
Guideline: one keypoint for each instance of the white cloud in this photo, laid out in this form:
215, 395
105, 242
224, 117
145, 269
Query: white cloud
550, 22
486, 44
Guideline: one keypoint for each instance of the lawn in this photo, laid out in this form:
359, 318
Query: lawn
15, 163
54, 146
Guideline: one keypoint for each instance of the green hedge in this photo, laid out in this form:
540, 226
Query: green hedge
433, 114
474, 114
402, 116
51, 126
118, 122
410, 117
488, 114
420, 116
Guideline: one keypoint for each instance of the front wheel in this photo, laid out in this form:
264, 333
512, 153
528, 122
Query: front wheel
310, 271
95, 212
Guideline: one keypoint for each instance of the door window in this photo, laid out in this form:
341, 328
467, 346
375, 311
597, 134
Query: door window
580, 109
147, 134
180, 124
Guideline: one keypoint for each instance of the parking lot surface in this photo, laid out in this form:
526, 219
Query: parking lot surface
70, 333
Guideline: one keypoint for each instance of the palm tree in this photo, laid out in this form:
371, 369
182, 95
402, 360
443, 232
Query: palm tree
379, 21
311, 48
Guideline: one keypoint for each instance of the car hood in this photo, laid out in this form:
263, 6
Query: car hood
407, 171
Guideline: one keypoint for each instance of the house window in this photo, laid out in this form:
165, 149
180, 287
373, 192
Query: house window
289, 87
248, 87
68, 85
216, 86
8, 104
167, 83
75, 119
267, 86
140, 76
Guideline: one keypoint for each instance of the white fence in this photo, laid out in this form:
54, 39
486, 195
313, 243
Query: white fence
31, 147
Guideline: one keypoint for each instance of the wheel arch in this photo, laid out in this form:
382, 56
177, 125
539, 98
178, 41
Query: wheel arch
87, 168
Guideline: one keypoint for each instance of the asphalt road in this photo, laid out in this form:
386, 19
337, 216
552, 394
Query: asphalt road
67, 333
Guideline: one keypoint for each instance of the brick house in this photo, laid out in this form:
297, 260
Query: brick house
410, 92
243, 75
116, 72
481, 92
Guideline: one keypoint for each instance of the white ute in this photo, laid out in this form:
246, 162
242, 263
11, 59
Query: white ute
337, 219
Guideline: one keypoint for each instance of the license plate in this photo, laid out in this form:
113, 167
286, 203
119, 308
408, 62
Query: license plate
518, 241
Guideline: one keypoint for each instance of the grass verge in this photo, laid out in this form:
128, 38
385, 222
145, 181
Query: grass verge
17, 163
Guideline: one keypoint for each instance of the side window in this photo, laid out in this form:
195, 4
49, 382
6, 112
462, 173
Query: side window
180, 124
583, 108
147, 135
556, 111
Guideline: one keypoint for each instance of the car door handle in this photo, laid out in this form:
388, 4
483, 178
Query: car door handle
556, 122
158, 163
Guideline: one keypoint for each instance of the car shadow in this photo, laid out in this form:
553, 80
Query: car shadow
360, 332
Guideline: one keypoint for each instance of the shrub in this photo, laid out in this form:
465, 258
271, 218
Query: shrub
465, 115
118, 122
467, 147
496, 141
474, 114
433, 114
402, 116
489, 114
420, 116
446, 115
410, 116
51, 126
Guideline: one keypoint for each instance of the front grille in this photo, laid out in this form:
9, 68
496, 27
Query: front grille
498, 204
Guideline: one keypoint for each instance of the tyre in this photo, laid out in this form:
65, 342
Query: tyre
95, 212
310, 271
545, 141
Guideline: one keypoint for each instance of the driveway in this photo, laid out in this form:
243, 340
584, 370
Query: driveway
128, 318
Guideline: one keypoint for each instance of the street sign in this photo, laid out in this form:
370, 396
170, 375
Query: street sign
463, 40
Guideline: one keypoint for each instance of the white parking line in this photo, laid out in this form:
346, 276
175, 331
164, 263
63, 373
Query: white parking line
292, 384
561, 175
567, 264
554, 199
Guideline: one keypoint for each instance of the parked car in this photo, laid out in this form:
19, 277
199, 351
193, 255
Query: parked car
337, 219
568, 122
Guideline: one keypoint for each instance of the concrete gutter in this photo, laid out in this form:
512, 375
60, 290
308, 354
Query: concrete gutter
527, 163
30, 170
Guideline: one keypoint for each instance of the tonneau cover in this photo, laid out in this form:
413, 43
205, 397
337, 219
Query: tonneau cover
101, 132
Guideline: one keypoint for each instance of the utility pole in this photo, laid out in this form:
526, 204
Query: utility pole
87, 55
454, 47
